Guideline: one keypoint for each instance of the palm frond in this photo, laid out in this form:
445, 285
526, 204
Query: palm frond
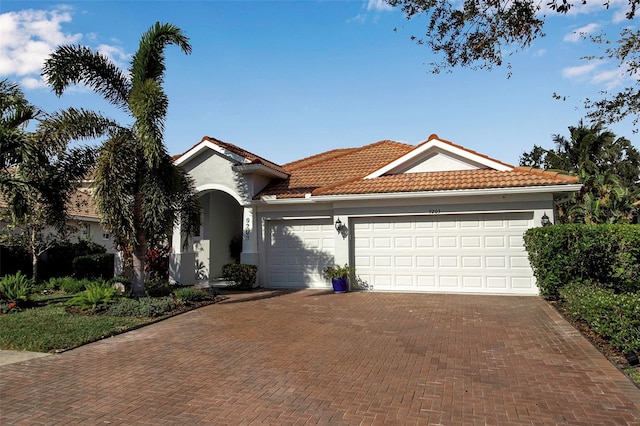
71, 64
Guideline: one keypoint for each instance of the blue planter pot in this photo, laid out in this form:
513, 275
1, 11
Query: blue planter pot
340, 285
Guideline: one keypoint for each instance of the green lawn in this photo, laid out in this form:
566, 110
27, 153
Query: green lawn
50, 328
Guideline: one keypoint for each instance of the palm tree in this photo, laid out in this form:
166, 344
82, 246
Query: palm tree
38, 174
140, 194
608, 168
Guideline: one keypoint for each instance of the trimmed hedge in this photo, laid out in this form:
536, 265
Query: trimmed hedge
244, 276
615, 317
607, 254
94, 266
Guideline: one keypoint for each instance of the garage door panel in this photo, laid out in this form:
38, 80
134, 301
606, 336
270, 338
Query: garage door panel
455, 253
297, 251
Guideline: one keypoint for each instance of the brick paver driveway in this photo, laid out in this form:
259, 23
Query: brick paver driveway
321, 358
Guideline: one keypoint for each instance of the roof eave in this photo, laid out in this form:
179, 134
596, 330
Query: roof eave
260, 169
426, 194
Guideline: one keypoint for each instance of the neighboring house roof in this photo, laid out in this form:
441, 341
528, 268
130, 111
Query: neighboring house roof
239, 155
393, 167
80, 206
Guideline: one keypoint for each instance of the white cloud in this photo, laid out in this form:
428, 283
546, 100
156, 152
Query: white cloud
580, 70
579, 33
378, 5
27, 37
539, 53
116, 54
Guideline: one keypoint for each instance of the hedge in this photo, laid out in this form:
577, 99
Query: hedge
615, 317
94, 266
243, 276
607, 254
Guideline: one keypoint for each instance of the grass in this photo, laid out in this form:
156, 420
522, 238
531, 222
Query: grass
634, 373
50, 328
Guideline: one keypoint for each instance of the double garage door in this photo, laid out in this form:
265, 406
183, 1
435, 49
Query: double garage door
476, 253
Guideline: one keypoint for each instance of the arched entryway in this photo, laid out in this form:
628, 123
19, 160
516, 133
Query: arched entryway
220, 236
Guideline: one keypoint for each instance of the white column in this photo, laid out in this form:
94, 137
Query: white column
182, 261
249, 237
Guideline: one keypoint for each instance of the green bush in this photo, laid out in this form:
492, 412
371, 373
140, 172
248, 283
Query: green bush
67, 284
158, 287
147, 307
58, 261
190, 294
95, 294
15, 288
14, 259
616, 317
93, 266
243, 276
607, 254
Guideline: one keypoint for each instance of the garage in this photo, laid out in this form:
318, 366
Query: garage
297, 251
467, 253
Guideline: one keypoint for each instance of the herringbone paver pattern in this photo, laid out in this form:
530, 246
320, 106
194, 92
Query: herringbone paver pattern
311, 357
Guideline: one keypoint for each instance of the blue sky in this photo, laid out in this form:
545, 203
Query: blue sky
289, 79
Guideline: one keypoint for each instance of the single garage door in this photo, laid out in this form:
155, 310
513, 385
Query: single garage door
480, 253
297, 251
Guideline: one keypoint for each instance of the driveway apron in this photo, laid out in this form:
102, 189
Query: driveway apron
314, 357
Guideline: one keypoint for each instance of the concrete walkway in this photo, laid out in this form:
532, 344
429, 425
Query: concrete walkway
313, 357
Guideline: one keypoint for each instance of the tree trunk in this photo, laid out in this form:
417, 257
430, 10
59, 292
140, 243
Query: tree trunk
139, 251
34, 255
139, 257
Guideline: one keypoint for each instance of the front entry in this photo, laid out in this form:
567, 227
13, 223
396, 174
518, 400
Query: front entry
220, 238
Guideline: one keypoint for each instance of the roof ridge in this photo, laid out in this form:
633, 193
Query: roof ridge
336, 153
342, 152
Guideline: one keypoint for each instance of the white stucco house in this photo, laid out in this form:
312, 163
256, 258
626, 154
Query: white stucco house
436, 217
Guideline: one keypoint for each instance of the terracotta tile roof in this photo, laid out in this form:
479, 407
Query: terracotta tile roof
80, 206
442, 181
250, 157
334, 167
342, 172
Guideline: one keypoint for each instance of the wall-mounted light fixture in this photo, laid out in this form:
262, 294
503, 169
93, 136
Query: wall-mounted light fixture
545, 220
340, 227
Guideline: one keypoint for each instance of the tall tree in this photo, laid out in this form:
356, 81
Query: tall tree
608, 168
38, 174
480, 33
616, 106
140, 193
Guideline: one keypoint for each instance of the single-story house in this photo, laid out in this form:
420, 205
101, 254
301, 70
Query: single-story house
436, 217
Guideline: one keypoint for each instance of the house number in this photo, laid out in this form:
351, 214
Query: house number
434, 211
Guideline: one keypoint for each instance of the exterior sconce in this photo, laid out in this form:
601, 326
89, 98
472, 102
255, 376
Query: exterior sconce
340, 227
545, 220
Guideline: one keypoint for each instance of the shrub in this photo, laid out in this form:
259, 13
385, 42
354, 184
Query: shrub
93, 266
14, 259
158, 287
189, 294
607, 254
58, 261
243, 276
15, 288
68, 284
147, 307
615, 317
95, 294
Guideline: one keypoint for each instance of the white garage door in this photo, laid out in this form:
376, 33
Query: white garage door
482, 253
297, 251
